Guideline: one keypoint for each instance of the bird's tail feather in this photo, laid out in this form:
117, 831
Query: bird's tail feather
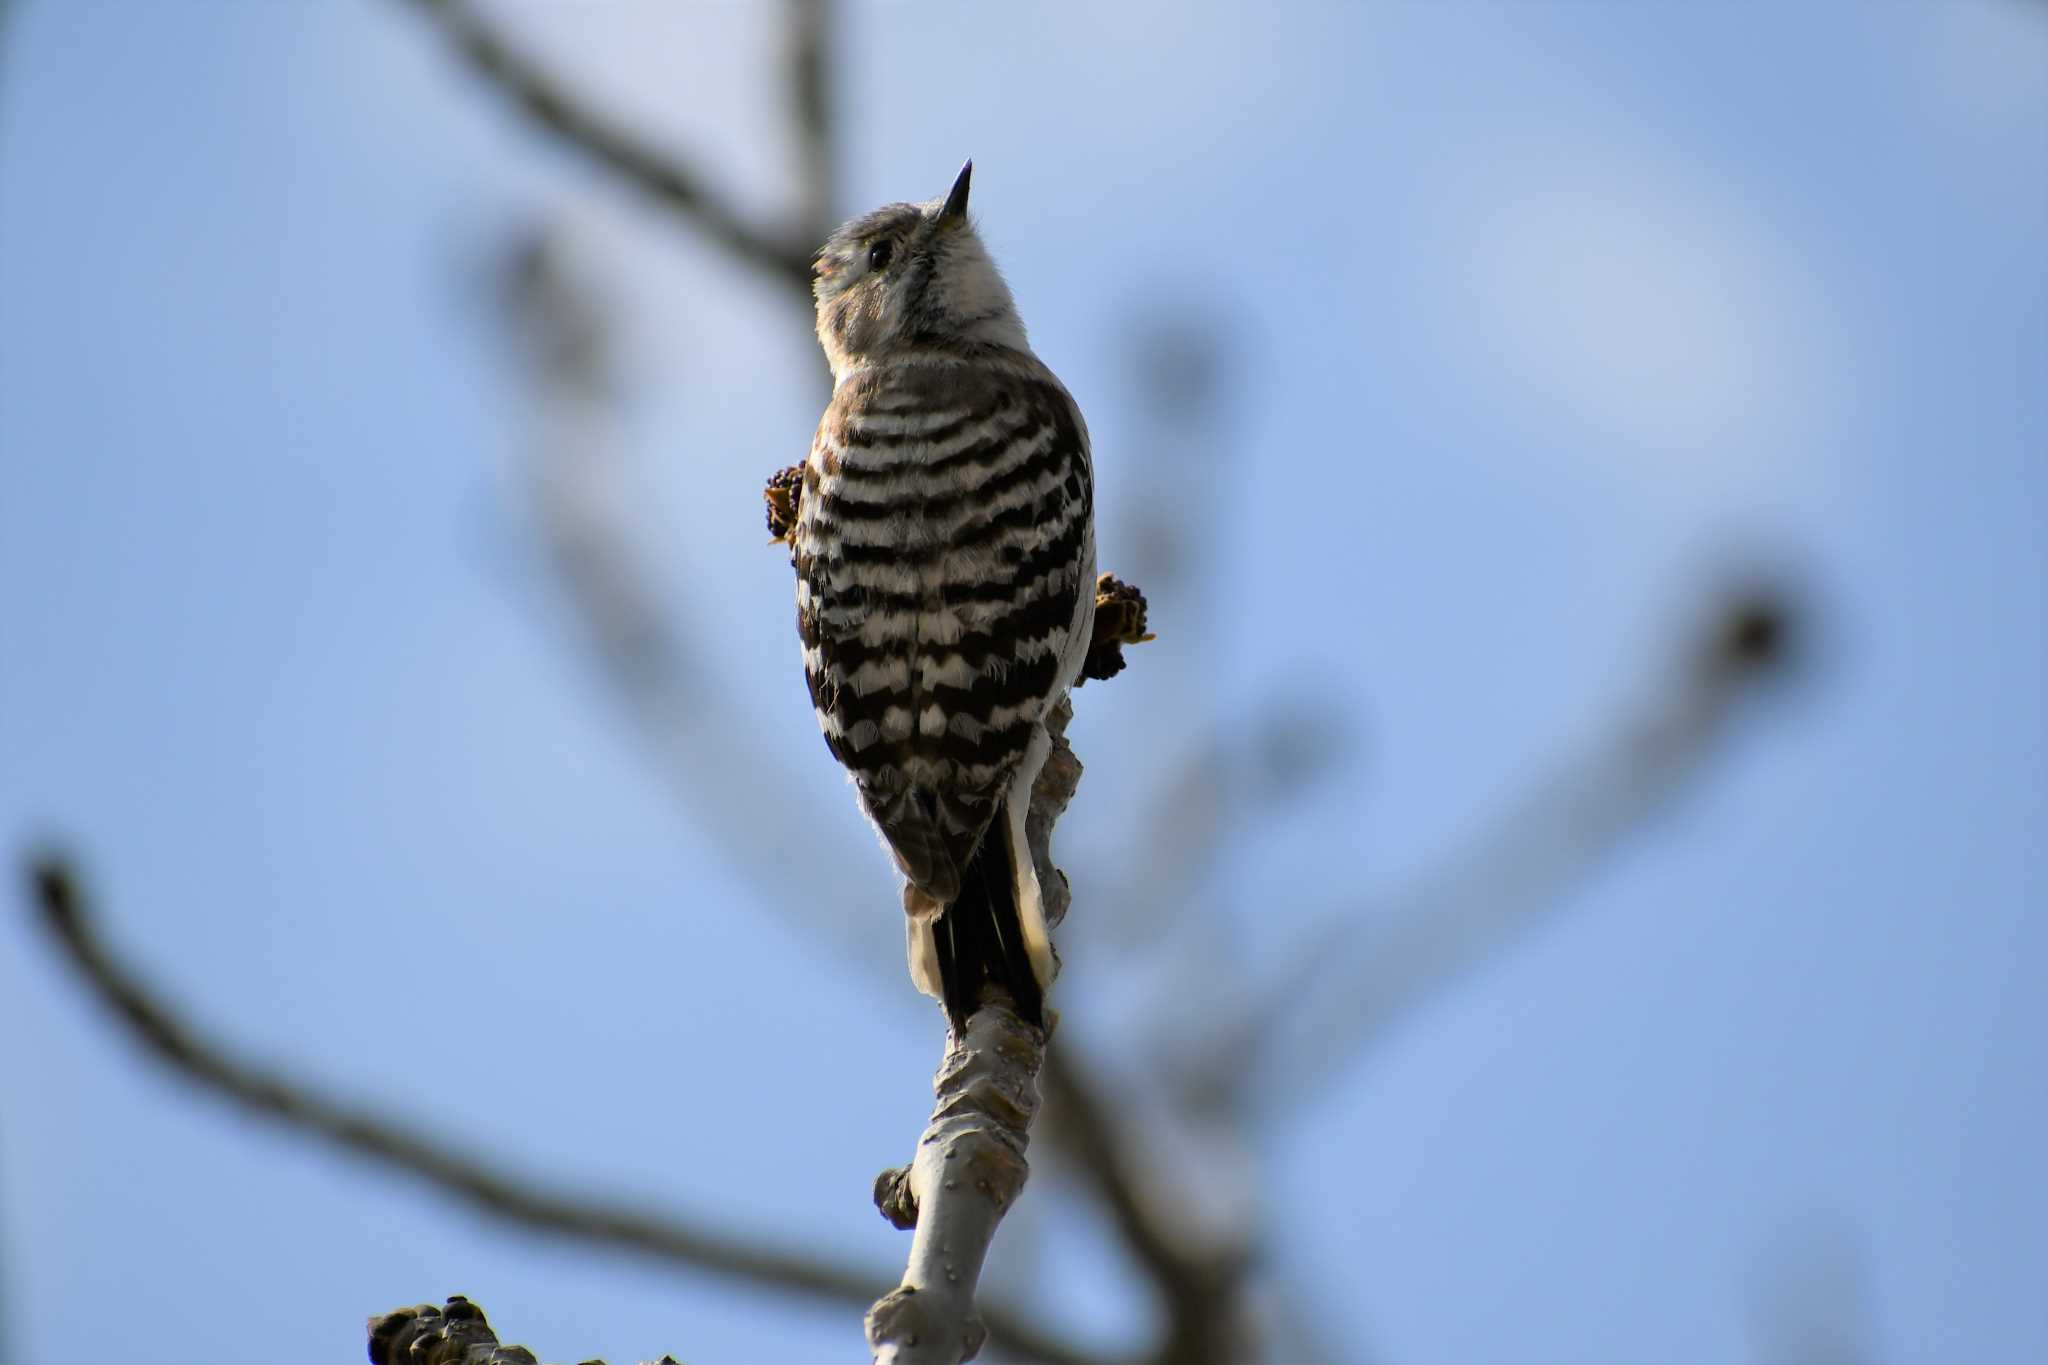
981, 938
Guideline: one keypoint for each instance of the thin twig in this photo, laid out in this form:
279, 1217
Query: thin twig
358, 1130
553, 107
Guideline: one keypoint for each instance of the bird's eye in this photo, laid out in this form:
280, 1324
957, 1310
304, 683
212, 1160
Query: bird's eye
879, 254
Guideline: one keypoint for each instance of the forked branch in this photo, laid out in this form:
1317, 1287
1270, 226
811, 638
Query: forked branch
361, 1131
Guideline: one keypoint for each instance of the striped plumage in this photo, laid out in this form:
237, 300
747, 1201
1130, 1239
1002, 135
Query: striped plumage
945, 571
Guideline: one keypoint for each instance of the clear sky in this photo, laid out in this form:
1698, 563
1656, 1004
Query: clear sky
1529, 319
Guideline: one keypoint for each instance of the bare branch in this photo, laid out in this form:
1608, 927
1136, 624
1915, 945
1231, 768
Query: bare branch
970, 1164
647, 657
968, 1170
810, 90
1198, 1289
362, 1132
1376, 961
785, 256
680, 707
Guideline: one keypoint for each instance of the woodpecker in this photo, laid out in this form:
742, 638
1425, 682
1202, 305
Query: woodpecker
945, 556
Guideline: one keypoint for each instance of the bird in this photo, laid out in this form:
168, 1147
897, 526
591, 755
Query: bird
944, 546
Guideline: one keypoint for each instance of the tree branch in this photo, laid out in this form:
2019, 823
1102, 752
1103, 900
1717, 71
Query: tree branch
661, 675
1347, 985
554, 108
1198, 1288
968, 1170
640, 650
67, 916
810, 89
458, 1334
970, 1166
1378, 960
623, 1226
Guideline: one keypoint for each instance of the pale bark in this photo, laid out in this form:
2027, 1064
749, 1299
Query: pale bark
970, 1164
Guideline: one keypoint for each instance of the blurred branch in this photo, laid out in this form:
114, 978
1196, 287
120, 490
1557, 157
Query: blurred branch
810, 91
660, 174
1296, 1325
1198, 1289
1198, 1284
646, 658
271, 1094
1224, 776
1378, 960
684, 714
623, 1226
1179, 826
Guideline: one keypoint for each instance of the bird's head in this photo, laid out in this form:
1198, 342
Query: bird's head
910, 274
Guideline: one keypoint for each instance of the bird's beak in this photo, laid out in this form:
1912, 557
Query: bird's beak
956, 198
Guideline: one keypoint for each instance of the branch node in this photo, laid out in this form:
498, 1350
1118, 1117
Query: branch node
895, 1199
968, 1170
903, 1326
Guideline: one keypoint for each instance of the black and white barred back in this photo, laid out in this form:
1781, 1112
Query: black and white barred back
945, 592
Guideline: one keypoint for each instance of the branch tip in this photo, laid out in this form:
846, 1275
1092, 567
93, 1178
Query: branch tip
1757, 632
53, 883
668, 179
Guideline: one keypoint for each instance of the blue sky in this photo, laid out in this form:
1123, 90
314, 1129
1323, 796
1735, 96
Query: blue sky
1532, 319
